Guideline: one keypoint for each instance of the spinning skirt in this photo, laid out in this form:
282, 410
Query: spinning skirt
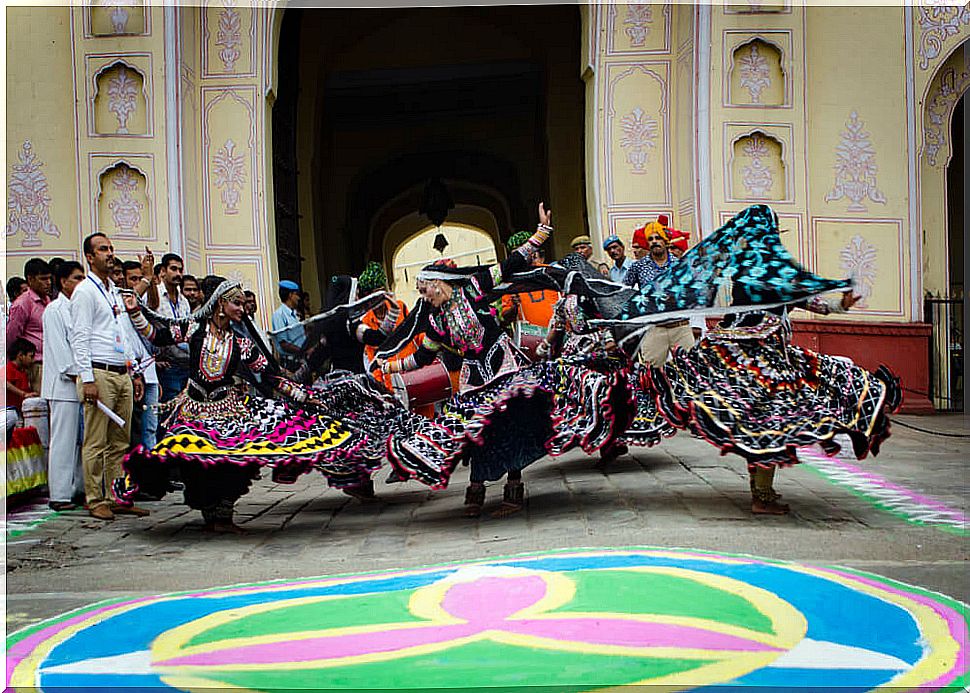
514, 420
649, 426
222, 445
763, 400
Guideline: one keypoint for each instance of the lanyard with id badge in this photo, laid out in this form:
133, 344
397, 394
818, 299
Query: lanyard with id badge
119, 342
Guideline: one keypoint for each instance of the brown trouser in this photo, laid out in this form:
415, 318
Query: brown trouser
35, 376
105, 443
660, 341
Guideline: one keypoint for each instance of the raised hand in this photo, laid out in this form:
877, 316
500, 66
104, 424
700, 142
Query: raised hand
849, 299
147, 263
545, 216
130, 301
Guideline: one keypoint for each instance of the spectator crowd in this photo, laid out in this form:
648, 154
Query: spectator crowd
71, 349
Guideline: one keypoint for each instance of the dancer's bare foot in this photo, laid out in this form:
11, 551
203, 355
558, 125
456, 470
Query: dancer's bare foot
769, 507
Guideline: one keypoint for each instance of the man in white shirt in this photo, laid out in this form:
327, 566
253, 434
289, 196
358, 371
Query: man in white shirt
101, 357
65, 479
173, 304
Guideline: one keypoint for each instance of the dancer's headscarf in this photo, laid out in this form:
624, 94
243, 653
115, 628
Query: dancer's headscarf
744, 264
372, 278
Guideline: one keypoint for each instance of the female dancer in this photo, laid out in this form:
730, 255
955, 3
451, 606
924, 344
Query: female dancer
508, 414
574, 339
747, 390
219, 435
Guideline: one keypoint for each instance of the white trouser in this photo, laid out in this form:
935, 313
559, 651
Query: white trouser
64, 477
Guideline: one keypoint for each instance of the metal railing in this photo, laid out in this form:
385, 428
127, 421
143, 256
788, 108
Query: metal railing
946, 352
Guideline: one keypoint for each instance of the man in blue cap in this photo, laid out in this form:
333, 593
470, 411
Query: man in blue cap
621, 263
291, 342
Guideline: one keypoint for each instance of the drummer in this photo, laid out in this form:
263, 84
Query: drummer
379, 322
532, 307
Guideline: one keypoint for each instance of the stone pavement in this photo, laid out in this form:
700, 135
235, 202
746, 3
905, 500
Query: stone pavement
906, 520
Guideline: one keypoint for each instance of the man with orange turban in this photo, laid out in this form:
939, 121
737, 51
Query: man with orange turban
663, 337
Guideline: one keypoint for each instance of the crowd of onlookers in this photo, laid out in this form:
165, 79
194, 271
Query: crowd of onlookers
63, 347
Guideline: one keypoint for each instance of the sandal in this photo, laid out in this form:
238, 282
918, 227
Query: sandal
474, 499
513, 500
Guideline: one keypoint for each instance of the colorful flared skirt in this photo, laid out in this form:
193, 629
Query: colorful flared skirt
222, 445
365, 406
649, 425
763, 400
514, 420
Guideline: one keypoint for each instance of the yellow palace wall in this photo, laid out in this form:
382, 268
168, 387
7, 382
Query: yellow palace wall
155, 130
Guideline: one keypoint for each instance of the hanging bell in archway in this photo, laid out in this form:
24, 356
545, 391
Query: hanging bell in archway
435, 202
440, 243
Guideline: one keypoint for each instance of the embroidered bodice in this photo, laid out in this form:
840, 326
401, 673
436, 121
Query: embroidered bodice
214, 358
571, 321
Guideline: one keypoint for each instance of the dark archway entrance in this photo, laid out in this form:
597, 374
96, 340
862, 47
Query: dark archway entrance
374, 103
956, 203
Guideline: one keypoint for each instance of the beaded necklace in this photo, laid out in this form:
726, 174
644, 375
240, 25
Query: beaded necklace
216, 349
457, 319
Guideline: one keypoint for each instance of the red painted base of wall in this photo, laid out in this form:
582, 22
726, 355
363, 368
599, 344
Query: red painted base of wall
902, 347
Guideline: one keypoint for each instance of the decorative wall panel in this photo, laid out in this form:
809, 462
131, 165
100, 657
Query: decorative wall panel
29, 200
637, 127
758, 72
123, 196
120, 88
229, 165
123, 207
757, 163
638, 27
759, 7
119, 102
757, 168
855, 169
757, 78
111, 18
869, 251
228, 40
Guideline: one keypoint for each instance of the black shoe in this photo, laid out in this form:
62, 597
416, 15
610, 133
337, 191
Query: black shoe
60, 506
175, 486
395, 478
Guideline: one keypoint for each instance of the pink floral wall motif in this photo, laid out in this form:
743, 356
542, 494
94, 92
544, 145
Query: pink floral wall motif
638, 18
639, 136
229, 36
855, 168
754, 71
230, 171
122, 95
29, 200
858, 261
125, 209
756, 176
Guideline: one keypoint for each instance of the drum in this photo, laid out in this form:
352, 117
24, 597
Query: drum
528, 337
35, 414
426, 385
